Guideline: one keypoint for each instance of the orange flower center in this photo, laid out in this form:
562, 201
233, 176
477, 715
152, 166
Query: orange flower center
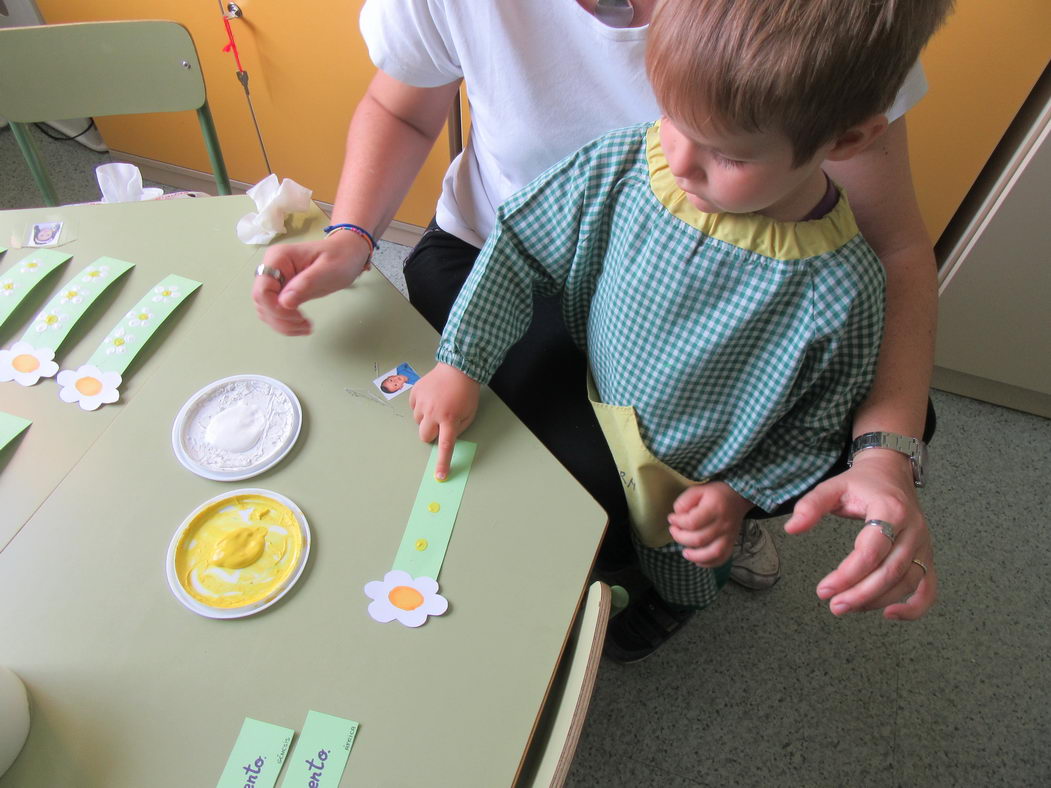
405, 597
88, 386
25, 362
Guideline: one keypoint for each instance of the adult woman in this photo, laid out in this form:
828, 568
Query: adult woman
543, 79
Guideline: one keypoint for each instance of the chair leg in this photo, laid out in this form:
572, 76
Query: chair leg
215, 153
29, 153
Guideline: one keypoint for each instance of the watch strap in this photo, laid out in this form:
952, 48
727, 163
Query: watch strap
913, 448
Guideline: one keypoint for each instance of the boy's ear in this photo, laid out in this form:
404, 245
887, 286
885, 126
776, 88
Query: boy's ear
855, 139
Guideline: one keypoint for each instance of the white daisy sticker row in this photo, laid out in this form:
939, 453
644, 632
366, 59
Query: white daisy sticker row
19, 280
97, 381
30, 359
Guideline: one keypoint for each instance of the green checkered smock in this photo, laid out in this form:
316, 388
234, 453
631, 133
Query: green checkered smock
744, 344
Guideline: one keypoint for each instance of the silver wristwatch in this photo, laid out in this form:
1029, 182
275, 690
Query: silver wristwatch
913, 448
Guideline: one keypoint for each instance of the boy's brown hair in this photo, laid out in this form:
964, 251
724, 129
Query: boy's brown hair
810, 69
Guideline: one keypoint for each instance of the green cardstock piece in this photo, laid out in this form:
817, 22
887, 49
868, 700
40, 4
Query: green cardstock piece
72, 301
321, 752
134, 330
433, 515
11, 427
257, 755
18, 281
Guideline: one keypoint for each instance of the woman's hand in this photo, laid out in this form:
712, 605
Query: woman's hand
897, 576
311, 269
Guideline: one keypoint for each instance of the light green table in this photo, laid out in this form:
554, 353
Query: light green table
129, 688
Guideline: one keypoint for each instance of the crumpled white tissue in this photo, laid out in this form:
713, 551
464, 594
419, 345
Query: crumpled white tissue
122, 182
274, 203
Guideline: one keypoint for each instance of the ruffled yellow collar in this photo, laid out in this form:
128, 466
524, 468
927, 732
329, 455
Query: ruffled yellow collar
761, 234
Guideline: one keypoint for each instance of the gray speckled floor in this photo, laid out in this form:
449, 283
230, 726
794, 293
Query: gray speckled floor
768, 689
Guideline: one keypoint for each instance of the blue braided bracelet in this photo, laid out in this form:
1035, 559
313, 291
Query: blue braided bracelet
332, 228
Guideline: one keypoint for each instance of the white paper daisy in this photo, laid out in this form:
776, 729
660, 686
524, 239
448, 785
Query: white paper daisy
8, 287
398, 596
88, 386
26, 364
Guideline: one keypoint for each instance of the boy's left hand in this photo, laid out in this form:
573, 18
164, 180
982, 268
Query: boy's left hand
706, 520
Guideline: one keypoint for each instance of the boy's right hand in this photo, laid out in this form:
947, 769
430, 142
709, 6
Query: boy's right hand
443, 403
311, 269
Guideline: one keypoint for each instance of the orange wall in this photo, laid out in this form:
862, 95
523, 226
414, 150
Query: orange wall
980, 66
307, 72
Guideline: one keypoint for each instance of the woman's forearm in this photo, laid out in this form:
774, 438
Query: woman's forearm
391, 133
879, 185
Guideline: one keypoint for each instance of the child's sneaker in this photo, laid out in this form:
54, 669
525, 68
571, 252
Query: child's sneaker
756, 563
642, 627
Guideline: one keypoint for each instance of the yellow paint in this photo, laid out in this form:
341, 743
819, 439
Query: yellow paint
405, 597
434, 506
240, 548
89, 386
25, 362
238, 551
421, 544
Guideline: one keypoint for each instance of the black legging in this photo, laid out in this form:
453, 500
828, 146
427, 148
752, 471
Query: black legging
532, 382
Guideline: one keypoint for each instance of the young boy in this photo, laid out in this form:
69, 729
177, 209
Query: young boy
730, 310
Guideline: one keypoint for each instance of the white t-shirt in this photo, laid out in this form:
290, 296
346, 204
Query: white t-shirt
543, 78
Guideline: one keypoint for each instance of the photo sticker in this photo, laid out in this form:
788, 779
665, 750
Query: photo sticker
44, 234
397, 380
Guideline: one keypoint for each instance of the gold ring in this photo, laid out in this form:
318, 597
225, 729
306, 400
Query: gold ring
265, 270
885, 528
921, 565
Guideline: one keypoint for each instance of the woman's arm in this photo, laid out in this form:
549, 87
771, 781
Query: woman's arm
879, 573
392, 131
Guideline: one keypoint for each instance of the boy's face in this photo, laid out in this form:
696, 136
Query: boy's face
741, 172
394, 383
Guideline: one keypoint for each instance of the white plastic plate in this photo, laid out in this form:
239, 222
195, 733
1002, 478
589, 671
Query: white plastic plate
269, 409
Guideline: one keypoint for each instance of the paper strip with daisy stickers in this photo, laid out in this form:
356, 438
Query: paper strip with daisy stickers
96, 382
18, 281
32, 357
409, 592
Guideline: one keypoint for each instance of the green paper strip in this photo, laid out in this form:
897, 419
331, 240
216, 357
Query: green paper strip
134, 330
72, 301
18, 281
257, 755
428, 532
11, 427
321, 752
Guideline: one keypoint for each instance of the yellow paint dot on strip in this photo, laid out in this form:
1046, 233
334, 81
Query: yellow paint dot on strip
434, 506
421, 544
